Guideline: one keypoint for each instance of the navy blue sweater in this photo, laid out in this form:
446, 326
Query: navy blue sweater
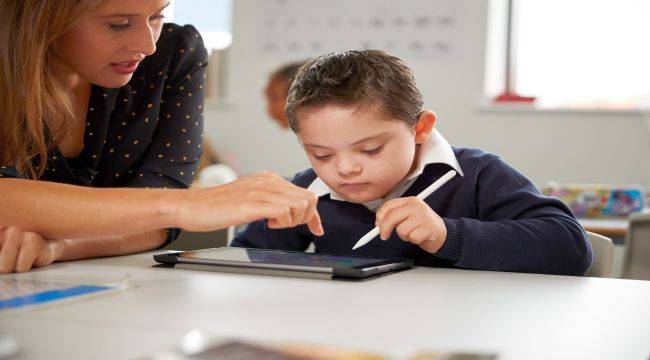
496, 220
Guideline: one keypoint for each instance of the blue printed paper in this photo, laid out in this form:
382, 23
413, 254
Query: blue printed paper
16, 293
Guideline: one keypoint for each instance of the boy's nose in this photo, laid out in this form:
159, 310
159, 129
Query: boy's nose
347, 167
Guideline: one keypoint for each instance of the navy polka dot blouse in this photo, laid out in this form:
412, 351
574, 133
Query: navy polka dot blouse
148, 133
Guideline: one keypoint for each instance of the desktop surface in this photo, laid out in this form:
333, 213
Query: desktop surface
517, 316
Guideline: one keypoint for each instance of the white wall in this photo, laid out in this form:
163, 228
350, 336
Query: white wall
590, 146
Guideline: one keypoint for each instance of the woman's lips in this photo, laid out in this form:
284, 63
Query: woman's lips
125, 68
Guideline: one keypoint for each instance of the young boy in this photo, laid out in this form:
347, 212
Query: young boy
359, 117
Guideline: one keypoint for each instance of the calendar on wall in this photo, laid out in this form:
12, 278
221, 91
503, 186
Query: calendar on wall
407, 28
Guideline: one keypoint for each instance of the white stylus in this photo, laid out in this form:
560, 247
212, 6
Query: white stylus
423, 195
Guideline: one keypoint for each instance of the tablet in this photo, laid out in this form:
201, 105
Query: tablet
283, 263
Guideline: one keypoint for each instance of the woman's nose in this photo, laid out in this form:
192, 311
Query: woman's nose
144, 41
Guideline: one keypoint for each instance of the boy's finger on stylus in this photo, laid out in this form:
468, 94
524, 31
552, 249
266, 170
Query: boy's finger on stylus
389, 206
390, 222
407, 226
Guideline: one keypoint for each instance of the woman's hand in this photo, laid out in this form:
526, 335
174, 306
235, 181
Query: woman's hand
258, 196
21, 250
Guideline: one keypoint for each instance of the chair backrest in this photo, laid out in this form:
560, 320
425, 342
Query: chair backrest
602, 250
637, 255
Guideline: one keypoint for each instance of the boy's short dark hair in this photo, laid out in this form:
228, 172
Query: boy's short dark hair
356, 77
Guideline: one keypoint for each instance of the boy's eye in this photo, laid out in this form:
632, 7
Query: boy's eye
373, 151
322, 157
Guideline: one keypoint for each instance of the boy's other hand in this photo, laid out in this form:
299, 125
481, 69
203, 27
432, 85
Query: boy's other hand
414, 222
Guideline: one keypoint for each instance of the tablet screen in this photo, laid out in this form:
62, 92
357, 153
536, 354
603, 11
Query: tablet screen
281, 257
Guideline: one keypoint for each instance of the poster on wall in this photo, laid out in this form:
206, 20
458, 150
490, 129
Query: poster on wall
304, 28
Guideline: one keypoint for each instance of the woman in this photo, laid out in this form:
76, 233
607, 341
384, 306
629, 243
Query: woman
99, 100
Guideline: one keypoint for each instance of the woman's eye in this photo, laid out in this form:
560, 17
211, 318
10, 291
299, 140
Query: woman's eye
157, 18
126, 25
119, 27
373, 151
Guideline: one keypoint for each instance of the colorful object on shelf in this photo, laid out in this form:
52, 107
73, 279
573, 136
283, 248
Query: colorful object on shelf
511, 97
598, 200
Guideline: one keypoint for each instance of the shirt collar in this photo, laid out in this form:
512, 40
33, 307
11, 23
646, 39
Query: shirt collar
436, 150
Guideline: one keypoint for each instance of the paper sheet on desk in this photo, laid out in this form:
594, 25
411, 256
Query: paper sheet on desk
19, 292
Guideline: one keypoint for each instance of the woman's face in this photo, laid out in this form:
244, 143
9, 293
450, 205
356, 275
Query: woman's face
105, 46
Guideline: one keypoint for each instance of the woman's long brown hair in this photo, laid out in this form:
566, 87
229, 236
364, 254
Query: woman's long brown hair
30, 95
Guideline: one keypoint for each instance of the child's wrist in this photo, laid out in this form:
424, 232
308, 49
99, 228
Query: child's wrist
434, 244
431, 246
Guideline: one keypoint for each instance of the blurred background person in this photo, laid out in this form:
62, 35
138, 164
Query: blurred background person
276, 91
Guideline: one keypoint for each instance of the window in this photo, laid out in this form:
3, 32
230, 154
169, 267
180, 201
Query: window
213, 19
575, 54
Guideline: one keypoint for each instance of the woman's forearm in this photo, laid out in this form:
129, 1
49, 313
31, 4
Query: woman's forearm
74, 249
60, 211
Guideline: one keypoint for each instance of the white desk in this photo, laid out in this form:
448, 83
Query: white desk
519, 316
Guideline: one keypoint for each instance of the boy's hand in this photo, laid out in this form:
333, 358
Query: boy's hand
414, 221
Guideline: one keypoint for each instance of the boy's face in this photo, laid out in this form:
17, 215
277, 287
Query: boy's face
356, 150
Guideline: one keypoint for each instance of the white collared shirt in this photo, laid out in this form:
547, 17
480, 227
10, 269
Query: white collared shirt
435, 151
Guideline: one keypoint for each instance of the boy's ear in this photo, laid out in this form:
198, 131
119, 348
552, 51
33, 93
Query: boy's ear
424, 126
